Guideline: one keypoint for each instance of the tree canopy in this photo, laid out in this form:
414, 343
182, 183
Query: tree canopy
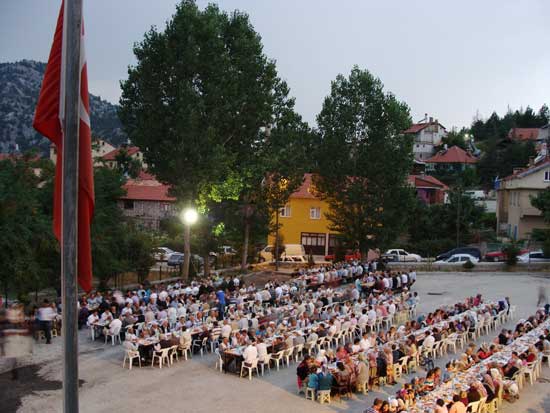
364, 160
198, 97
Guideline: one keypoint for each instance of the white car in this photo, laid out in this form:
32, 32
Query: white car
402, 256
458, 259
162, 253
224, 250
533, 256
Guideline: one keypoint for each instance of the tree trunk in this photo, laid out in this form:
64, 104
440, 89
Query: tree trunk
244, 258
206, 264
186, 251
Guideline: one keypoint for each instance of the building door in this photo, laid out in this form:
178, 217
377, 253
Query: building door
314, 243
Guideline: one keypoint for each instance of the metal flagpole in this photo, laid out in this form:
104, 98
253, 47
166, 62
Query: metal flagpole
72, 28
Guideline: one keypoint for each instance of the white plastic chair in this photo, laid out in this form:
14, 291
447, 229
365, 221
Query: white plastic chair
115, 335
277, 358
250, 368
173, 353
161, 356
219, 360
131, 355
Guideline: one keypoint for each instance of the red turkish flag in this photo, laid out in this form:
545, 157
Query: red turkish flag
48, 120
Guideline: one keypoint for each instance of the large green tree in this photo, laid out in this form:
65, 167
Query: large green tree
27, 245
364, 160
198, 100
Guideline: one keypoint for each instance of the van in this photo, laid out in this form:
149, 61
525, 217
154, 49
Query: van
292, 253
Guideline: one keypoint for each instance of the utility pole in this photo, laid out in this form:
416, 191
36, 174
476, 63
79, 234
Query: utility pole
458, 217
277, 240
69, 247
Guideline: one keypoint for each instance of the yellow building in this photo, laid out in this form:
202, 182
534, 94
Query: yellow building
303, 221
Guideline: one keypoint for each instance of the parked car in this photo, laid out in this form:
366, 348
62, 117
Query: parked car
497, 256
458, 259
224, 250
475, 252
400, 255
349, 256
162, 253
176, 259
533, 256
292, 253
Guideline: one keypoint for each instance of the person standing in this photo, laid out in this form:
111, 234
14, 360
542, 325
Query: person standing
45, 317
220, 295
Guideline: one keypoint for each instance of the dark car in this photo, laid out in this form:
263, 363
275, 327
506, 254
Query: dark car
461, 250
175, 259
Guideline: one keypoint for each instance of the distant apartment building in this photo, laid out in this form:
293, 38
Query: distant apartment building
100, 148
427, 134
147, 201
516, 217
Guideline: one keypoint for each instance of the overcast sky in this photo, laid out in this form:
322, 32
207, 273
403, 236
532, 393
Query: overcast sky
449, 59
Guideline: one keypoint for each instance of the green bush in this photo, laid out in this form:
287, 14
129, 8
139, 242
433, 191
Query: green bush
512, 252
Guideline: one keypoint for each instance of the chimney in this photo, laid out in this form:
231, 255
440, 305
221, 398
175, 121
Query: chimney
531, 160
431, 119
445, 146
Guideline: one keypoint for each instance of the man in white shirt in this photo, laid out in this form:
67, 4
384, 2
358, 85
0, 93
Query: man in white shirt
226, 329
114, 327
429, 341
250, 354
364, 343
262, 350
371, 314
46, 314
404, 279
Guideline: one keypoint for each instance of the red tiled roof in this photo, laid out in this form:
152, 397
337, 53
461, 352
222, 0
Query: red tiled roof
417, 127
426, 181
524, 134
454, 154
521, 172
143, 175
305, 189
418, 181
147, 190
111, 156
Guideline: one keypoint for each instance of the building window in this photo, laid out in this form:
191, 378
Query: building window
285, 212
314, 213
547, 176
314, 243
128, 204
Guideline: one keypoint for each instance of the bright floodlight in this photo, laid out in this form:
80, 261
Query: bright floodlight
190, 216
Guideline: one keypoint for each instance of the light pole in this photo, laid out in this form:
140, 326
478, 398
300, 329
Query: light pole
188, 216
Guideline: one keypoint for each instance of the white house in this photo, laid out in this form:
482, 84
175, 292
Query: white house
427, 135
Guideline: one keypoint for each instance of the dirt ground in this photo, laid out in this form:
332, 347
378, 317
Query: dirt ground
195, 386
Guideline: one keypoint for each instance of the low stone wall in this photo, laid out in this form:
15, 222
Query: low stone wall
479, 267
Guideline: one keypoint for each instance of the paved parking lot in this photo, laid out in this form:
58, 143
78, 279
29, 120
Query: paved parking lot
194, 385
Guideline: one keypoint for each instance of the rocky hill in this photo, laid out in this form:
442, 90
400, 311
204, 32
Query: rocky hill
19, 88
